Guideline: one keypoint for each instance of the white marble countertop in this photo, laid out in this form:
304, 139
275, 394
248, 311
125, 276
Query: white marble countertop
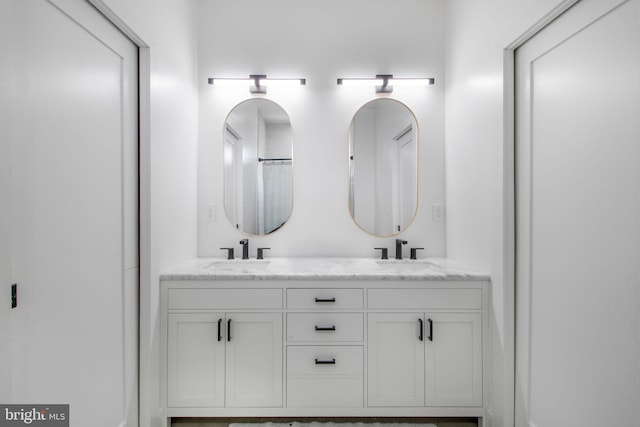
322, 269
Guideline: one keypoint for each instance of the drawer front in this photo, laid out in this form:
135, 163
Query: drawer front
321, 392
325, 299
324, 360
425, 299
224, 299
325, 327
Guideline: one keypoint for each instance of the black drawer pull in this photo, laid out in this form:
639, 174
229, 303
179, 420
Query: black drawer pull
421, 326
430, 337
325, 300
330, 328
326, 362
229, 330
219, 330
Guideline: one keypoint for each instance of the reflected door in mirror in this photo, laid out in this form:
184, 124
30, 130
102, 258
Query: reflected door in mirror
258, 183
383, 167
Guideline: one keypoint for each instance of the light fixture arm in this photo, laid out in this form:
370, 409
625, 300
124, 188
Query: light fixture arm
385, 87
256, 88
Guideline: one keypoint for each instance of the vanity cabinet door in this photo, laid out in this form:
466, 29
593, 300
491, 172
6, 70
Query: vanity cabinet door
395, 359
453, 359
254, 359
196, 360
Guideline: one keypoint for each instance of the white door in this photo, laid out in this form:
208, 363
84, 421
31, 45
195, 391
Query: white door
232, 160
196, 365
254, 360
407, 172
453, 359
396, 359
578, 219
73, 197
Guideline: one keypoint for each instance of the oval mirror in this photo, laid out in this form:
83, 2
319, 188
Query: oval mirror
383, 153
258, 184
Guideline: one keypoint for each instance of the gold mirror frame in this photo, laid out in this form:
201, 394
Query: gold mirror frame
257, 158
384, 158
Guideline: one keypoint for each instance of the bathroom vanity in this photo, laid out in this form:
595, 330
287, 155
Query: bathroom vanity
323, 337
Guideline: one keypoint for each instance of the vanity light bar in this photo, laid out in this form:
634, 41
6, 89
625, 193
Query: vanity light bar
257, 82
282, 82
384, 82
360, 82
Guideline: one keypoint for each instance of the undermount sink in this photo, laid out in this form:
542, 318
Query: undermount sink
402, 264
237, 264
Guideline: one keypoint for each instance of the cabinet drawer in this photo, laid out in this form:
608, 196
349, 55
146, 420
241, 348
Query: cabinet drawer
325, 327
325, 299
321, 392
225, 299
425, 299
324, 360
322, 385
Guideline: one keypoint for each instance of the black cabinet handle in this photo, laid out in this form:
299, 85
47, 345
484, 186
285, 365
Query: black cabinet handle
326, 362
325, 300
421, 326
219, 330
229, 330
330, 328
430, 337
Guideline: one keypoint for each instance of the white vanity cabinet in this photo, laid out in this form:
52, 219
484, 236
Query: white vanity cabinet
418, 359
224, 359
318, 348
425, 358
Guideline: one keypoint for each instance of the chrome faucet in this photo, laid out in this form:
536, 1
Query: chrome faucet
399, 243
245, 248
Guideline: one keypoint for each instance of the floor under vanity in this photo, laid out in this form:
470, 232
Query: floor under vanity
332, 340
225, 422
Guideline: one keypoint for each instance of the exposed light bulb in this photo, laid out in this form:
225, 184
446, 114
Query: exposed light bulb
361, 82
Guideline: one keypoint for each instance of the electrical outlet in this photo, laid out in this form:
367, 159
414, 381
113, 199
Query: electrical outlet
438, 213
210, 213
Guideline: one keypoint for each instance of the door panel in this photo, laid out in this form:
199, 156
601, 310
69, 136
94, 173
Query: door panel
395, 359
254, 360
74, 210
196, 360
453, 358
578, 216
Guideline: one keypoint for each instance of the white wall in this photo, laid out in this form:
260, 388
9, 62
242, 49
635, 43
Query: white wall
168, 27
320, 40
477, 32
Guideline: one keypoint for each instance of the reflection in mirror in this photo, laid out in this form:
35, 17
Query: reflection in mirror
383, 145
257, 166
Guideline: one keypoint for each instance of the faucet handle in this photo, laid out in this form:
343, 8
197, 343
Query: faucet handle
260, 252
414, 252
229, 253
385, 252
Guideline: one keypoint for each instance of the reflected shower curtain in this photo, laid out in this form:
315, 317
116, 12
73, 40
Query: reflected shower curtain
277, 191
